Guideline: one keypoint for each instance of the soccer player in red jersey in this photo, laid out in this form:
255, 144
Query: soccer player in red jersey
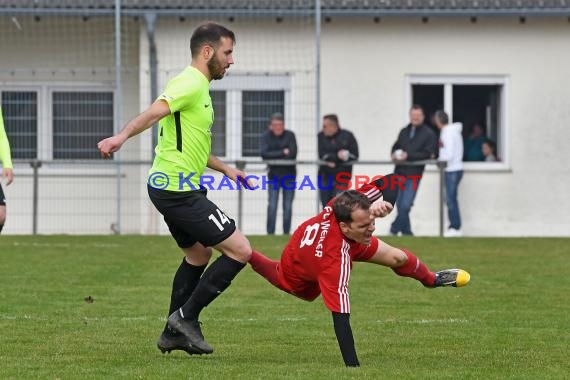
318, 258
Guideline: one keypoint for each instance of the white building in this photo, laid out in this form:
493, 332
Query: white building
504, 64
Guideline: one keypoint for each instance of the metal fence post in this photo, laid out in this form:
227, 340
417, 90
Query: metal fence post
35, 164
441, 165
240, 165
117, 103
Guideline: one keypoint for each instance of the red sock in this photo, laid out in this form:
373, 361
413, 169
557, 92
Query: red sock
265, 267
414, 268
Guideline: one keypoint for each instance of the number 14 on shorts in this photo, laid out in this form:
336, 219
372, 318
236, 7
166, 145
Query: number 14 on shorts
220, 220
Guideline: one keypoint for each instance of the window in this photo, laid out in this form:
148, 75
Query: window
219, 127
471, 101
243, 105
20, 111
49, 123
257, 107
80, 120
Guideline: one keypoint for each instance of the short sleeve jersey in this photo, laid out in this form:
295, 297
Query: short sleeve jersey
319, 253
184, 136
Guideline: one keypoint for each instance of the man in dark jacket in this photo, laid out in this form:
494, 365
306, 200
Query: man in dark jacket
416, 142
279, 144
339, 149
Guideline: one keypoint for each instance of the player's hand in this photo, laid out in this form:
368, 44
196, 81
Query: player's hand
239, 175
380, 209
111, 145
8, 173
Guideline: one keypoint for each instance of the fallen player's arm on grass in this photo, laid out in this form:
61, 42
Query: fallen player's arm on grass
345, 339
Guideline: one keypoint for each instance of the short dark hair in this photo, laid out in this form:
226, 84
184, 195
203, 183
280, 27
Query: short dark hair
332, 117
417, 107
347, 202
276, 116
441, 116
209, 33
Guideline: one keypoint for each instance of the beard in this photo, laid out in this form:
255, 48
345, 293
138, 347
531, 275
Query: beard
216, 69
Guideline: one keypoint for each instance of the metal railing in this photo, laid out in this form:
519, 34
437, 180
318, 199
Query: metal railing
36, 175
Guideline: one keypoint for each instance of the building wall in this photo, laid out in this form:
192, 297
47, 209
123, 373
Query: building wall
365, 67
370, 64
69, 52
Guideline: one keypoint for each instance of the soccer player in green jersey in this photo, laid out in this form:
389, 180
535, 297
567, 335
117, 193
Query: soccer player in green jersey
7, 172
182, 154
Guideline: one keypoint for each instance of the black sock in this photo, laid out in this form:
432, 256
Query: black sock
185, 280
214, 281
1, 226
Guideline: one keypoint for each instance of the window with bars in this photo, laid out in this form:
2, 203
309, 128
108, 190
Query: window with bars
77, 121
20, 111
478, 103
243, 105
80, 121
257, 108
219, 139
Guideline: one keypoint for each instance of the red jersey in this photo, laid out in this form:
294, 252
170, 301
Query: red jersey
318, 258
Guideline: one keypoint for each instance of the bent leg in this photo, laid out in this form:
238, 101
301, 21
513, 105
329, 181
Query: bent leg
269, 269
188, 274
266, 267
236, 251
403, 263
187, 277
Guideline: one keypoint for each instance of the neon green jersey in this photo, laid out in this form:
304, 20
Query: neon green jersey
184, 136
5, 155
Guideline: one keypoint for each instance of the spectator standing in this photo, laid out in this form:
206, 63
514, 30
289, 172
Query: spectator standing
451, 151
416, 142
339, 148
279, 144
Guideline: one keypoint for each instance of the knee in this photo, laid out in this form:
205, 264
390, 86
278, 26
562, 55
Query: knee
205, 255
240, 251
198, 255
400, 258
2, 215
244, 253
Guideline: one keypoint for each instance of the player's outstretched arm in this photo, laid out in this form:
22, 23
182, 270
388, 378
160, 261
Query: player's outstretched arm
386, 187
143, 121
345, 339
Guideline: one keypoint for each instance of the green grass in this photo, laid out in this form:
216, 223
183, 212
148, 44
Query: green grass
512, 321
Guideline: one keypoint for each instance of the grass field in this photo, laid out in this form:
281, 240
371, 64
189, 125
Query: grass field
512, 321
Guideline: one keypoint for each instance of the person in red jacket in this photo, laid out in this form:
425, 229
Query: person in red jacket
318, 258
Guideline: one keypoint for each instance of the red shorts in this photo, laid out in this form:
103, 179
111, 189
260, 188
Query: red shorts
299, 277
302, 289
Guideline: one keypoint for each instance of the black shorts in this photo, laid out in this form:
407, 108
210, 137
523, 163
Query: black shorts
191, 217
2, 197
